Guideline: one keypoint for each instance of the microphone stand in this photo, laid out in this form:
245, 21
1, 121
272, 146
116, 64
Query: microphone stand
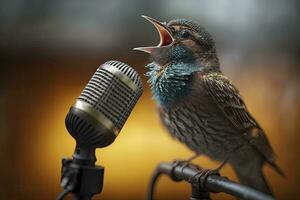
203, 183
80, 175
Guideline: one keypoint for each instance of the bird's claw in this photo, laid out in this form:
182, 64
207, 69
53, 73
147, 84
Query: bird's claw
202, 175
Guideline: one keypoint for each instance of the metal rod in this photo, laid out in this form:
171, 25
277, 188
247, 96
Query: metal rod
211, 183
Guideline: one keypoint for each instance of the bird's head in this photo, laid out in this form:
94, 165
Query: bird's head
184, 48
184, 41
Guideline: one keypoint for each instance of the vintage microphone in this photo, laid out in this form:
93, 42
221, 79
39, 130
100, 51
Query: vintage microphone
94, 121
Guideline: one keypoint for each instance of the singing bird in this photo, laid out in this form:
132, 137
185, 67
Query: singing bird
200, 106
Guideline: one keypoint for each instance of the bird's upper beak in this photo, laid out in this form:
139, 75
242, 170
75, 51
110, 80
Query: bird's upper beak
165, 36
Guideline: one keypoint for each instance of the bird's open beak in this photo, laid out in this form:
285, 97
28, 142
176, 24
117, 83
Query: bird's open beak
165, 36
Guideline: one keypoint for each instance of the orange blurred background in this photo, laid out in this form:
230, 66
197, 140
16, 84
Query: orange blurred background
50, 50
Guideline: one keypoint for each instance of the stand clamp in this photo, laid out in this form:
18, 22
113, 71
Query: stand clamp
83, 181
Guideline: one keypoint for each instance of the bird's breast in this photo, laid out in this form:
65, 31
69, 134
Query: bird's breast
198, 123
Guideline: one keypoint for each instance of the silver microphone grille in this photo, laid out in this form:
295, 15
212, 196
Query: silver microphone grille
111, 94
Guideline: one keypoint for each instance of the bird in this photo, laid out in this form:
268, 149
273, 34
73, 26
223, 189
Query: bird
201, 107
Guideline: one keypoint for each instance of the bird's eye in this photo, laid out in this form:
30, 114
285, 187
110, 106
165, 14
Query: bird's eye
185, 34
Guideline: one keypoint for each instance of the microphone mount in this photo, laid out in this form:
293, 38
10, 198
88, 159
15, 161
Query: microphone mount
80, 175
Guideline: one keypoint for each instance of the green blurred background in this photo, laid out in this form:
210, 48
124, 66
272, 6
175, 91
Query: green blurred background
49, 49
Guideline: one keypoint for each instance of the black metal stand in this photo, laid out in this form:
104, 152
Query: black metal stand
81, 176
197, 194
203, 183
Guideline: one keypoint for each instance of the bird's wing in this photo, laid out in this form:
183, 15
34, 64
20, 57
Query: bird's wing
228, 99
225, 95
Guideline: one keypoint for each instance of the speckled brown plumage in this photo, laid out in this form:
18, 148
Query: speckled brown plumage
202, 108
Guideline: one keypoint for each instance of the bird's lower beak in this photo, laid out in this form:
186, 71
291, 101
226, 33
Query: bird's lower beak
165, 36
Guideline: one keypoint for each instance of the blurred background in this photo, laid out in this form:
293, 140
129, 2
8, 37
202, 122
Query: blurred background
49, 50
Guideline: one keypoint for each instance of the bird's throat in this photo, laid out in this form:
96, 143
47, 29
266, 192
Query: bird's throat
162, 69
169, 83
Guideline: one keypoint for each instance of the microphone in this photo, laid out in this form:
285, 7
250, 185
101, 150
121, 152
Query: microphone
94, 121
102, 108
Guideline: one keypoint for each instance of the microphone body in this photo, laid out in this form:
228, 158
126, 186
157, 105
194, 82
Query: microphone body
104, 105
95, 120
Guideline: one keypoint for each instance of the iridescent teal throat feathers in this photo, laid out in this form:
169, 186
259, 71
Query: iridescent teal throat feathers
173, 83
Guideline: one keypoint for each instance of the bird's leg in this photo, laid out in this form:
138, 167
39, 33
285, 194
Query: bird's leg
217, 170
226, 160
206, 172
191, 158
186, 162
202, 172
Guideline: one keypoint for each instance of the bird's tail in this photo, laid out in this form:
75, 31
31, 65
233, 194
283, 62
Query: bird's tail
251, 174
